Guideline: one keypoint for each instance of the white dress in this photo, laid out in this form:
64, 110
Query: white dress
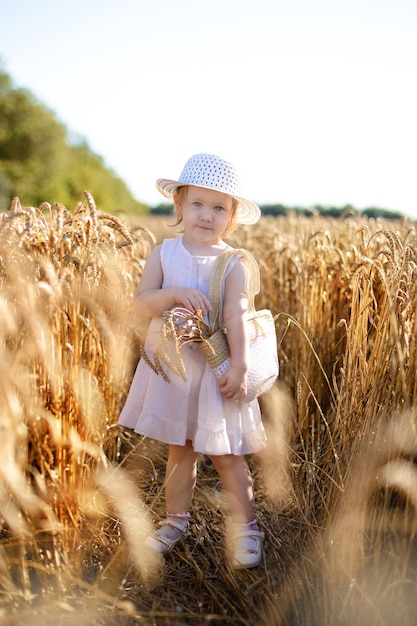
191, 409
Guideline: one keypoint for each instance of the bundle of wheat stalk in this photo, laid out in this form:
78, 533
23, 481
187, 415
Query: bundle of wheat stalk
335, 487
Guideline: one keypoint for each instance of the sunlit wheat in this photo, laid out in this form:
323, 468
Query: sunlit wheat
335, 487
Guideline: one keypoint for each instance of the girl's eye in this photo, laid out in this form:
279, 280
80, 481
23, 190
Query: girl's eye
218, 209
197, 204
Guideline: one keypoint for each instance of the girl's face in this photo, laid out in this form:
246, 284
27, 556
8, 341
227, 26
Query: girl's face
206, 214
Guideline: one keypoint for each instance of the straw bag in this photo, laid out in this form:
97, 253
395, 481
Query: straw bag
263, 365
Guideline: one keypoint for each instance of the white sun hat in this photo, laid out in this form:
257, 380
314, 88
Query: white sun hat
213, 172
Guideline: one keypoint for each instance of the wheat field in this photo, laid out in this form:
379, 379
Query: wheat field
336, 487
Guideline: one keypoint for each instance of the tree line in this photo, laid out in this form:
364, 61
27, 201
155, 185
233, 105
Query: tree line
39, 163
324, 211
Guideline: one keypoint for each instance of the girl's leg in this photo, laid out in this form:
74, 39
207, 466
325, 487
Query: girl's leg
181, 475
238, 486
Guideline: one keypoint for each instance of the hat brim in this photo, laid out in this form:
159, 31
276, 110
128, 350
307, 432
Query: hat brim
247, 211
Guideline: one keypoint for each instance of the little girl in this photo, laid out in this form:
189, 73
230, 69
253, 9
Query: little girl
200, 414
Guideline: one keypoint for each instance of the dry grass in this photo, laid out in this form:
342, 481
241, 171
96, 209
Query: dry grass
336, 491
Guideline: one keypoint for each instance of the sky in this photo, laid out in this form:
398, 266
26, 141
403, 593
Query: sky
315, 101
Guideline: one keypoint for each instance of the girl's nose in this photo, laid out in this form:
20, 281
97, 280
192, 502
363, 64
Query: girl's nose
206, 215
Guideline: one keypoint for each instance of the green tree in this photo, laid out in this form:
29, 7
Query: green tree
38, 164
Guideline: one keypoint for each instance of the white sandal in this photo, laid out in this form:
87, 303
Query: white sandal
160, 541
251, 555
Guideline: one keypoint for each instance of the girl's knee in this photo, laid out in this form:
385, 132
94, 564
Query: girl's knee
182, 453
228, 461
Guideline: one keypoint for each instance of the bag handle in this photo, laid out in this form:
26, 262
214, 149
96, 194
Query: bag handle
216, 279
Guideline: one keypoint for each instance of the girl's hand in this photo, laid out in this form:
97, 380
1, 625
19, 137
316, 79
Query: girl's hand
191, 299
233, 384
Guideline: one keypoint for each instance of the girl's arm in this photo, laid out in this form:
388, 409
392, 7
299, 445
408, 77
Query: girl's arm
233, 383
151, 300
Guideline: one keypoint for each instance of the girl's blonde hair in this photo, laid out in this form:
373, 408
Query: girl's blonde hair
179, 197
